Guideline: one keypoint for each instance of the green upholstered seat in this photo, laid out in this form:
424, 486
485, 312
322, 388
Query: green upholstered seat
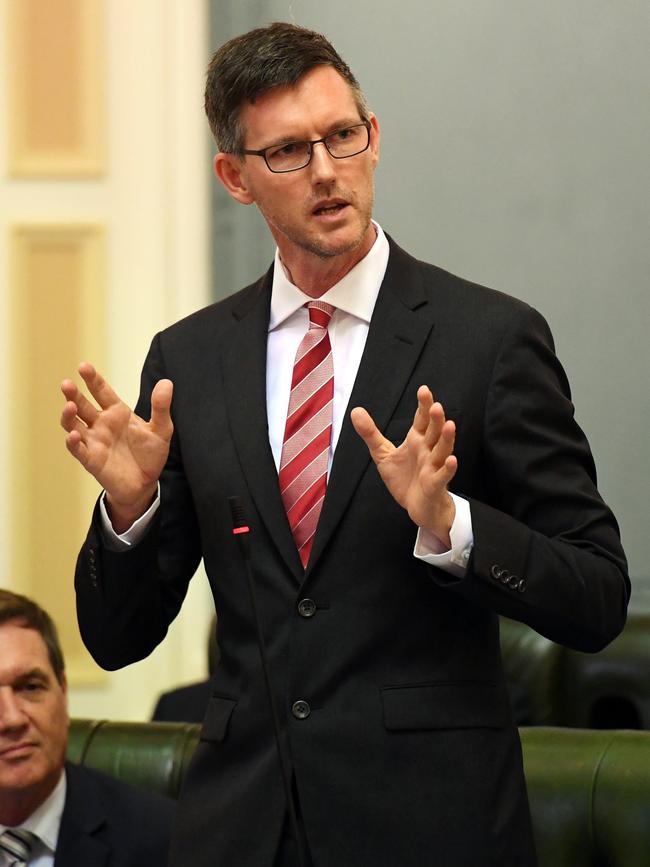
589, 794
552, 685
589, 790
151, 755
611, 689
533, 670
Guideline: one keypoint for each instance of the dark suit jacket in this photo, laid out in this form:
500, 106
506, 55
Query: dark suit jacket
107, 823
184, 704
409, 755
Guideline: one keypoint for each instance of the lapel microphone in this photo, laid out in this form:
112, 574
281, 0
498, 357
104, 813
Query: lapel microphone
241, 531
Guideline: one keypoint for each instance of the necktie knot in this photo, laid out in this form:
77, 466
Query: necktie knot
320, 313
16, 844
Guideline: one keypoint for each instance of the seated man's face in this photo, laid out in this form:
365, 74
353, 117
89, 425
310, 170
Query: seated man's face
33, 719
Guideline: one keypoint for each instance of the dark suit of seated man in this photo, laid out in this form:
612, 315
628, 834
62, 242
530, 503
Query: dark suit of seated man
54, 813
185, 704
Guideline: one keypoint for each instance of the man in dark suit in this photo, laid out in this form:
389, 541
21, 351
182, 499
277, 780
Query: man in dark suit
381, 626
53, 812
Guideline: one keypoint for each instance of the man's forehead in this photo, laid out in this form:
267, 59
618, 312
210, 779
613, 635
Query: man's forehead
22, 649
320, 95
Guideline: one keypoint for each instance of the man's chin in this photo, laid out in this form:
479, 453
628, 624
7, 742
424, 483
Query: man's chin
330, 246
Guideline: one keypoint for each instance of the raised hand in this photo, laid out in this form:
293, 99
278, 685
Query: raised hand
418, 471
122, 451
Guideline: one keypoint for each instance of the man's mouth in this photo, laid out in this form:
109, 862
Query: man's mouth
16, 751
329, 208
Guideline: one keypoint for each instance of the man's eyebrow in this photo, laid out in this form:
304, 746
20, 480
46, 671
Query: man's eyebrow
35, 673
332, 127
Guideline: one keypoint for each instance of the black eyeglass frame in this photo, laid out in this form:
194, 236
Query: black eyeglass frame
323, 141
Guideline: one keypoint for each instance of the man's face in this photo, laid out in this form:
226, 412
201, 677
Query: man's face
324, 209
33, 718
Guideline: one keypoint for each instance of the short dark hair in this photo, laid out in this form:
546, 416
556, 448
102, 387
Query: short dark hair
248, 65
26, 613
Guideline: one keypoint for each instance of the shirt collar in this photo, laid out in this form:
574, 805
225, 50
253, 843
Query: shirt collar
45, 821
356, 293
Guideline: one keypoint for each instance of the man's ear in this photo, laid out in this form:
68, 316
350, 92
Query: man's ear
64, 689
374, 139
228, 169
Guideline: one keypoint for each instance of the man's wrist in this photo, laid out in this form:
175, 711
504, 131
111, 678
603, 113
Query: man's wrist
455, 558
123, 516
441, 527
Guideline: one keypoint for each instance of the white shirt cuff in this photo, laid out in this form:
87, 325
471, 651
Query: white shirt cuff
135, 532
454, 560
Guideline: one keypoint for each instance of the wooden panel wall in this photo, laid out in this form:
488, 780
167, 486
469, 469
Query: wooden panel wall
56, 88
57, 314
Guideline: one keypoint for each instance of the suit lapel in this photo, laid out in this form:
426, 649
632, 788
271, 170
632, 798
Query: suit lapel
244, 372
82, 817
81, 852
400, 326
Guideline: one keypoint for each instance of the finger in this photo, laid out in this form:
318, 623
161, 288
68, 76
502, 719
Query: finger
161, 400
435, 425
377, 444
69, 389
97, 386
421, 417
444, 446
69, 420
448, 469
439, 477
84, 408
77, 448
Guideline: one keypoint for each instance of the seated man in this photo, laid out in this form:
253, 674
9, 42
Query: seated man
54, 813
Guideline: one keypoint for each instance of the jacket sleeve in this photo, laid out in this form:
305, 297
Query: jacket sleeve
546, 547
127, 599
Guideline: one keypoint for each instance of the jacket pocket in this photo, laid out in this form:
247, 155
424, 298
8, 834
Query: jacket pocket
217, 717
452, 705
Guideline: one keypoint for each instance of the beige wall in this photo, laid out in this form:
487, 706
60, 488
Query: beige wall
104, 186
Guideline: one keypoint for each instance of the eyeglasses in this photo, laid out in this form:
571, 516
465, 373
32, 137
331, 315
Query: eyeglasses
294, 155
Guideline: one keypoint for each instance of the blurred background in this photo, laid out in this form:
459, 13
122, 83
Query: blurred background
514, 153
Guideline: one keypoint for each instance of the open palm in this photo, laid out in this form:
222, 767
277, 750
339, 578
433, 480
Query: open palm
125, 453
418, 471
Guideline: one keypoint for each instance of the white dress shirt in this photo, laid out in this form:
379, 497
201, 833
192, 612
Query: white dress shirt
354, 299
45, 823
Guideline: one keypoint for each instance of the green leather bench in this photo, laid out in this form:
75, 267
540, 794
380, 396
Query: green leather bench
589, 790
611, 689
589, 796
534, 668
151, 755
552, 685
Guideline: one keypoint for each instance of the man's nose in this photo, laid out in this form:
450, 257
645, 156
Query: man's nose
11, 713
322, 163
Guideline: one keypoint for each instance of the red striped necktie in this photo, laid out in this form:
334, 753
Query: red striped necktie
307, 436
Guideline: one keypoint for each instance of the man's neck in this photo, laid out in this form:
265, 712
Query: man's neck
314, 275
17, 806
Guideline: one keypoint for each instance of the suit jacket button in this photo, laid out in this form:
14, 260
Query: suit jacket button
505, 576
513, 581
496, 572
522, 585
306, 608
300, 709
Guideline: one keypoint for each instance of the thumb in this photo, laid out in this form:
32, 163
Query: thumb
161, 399
378, 445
